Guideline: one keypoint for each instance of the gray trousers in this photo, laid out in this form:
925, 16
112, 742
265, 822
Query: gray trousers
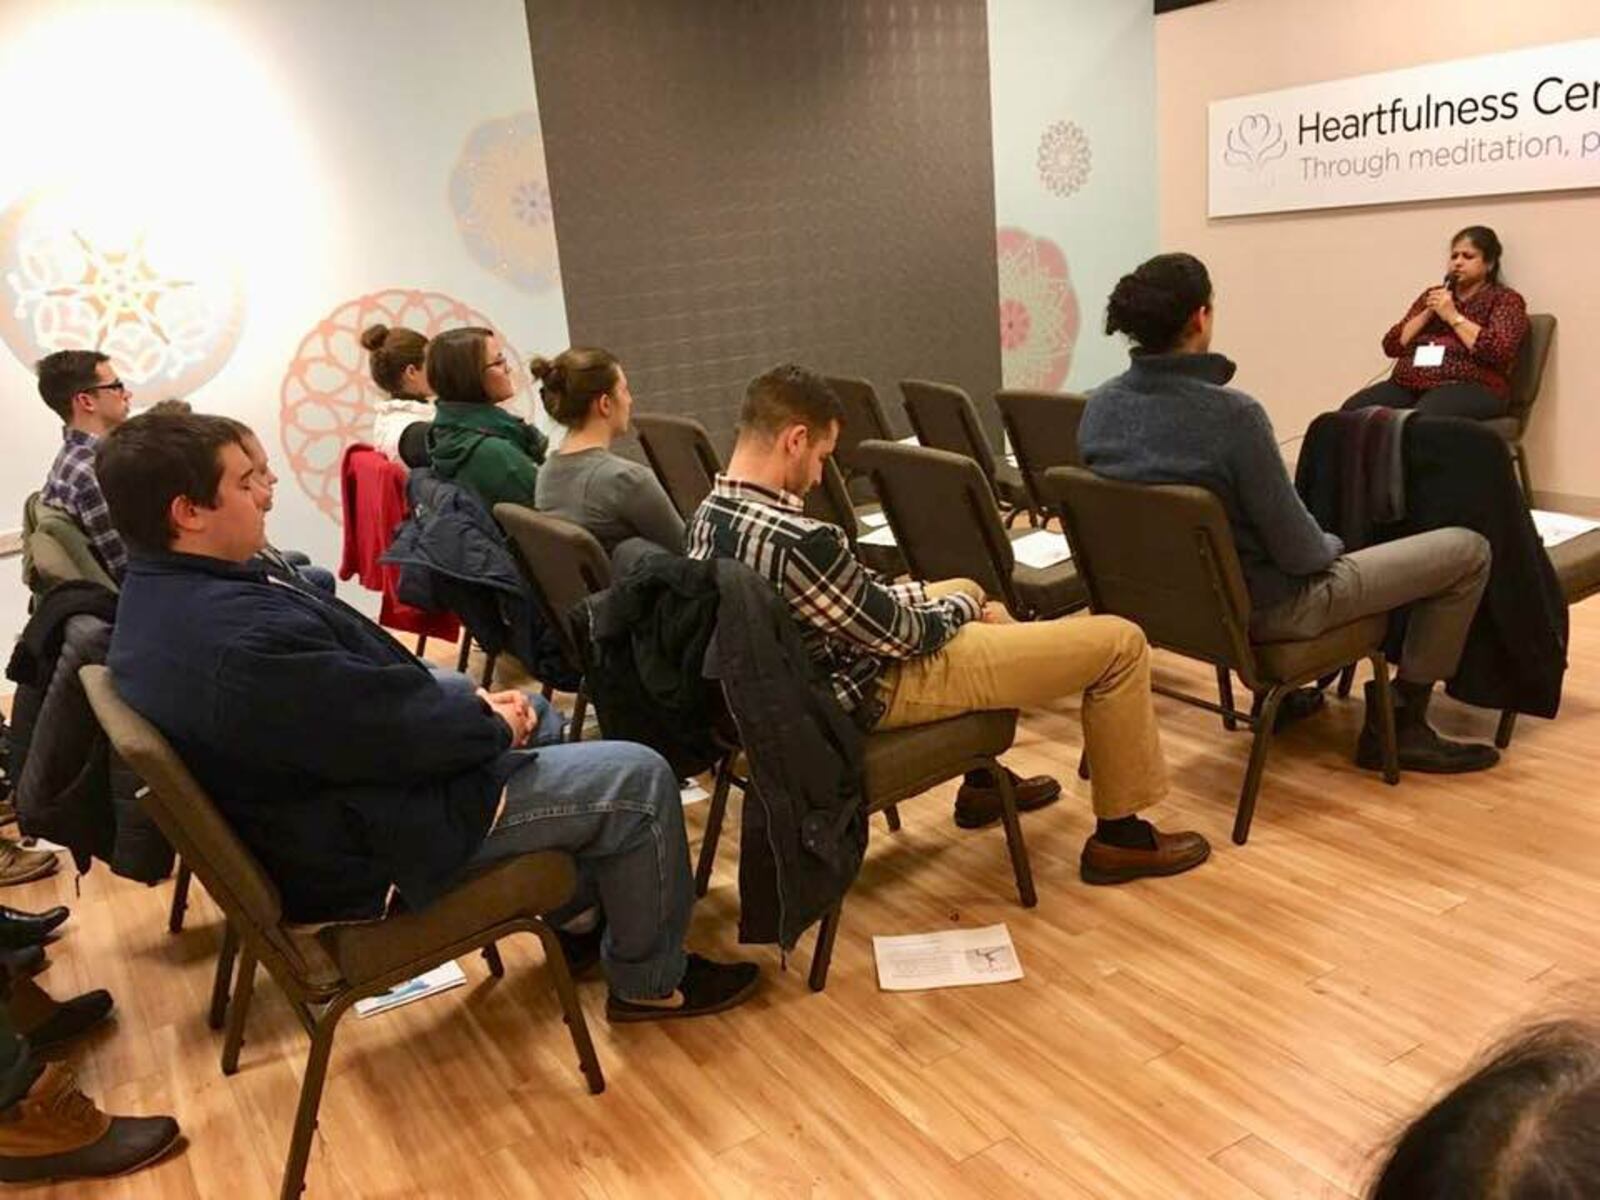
1440, 574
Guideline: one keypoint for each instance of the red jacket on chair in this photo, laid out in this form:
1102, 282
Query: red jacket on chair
373, 488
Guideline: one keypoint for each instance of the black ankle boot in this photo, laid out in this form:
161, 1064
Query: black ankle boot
1421, 749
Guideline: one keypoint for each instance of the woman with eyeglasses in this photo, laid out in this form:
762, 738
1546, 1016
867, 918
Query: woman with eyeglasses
475, 442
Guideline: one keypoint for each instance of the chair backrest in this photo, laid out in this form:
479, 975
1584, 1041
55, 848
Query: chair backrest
864, 418
830, 501
177, 803
55, 549
681, 455
1043, 429
944, 419
1527, 374
943, 514
1162, 556
413, 446
563, 563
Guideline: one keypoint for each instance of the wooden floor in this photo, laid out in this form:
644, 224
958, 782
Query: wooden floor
1254, 1029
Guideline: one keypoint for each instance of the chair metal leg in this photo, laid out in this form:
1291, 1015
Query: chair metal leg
1507, 726
1521, 457
580, 709
180, 898
822, 955
239, 1010
491, 955
1347, 678
1258, 761
466, 652
571, 1010
223, 980
714, 815
488, 668
1225, 698
1385, 695
1014, 843
422, 643
892, 816
305, 1117
1083, 763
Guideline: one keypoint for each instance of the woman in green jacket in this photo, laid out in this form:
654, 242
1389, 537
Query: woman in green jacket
474, 442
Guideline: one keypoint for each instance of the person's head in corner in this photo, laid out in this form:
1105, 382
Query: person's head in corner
397, 356
1165, 306
585, 391
787, 428
469, 366
183, 483
1475, 258
82, 388
1525, 1125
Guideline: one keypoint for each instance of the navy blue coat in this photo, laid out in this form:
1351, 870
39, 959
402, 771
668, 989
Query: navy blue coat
333, 752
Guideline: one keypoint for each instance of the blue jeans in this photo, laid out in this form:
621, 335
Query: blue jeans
615, 807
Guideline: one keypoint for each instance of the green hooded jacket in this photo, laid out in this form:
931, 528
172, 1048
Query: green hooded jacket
487, 450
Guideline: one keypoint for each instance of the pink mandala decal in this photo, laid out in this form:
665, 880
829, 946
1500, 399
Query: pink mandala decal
1064, 158
328, 398
1038, 311
501, 197
166, 309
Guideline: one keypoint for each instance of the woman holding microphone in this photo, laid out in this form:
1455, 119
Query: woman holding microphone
1455, 348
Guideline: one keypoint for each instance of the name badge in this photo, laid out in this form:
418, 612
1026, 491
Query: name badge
1431, 355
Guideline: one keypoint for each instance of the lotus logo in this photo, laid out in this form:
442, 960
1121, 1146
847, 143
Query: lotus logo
1254, 142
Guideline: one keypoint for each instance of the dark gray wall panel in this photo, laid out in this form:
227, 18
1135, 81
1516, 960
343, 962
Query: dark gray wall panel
739, 182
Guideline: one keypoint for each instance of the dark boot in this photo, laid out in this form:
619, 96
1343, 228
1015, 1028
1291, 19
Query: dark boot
56, 1132
1421, 749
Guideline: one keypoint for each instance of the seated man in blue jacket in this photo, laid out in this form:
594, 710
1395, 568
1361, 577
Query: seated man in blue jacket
348, 766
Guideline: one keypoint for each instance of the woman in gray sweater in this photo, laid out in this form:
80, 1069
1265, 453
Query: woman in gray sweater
583, 482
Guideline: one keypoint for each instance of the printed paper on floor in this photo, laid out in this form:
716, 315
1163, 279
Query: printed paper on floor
949, 958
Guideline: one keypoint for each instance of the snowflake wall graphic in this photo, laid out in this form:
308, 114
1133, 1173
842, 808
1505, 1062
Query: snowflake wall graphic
1064, 158
501, 196
328, 398
167, 310
1038, 311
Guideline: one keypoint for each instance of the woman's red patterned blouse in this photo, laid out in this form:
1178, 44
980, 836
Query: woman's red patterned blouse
1503, 320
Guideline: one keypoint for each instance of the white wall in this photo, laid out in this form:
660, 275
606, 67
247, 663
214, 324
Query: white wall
311, 142
1303, 298
1073, 91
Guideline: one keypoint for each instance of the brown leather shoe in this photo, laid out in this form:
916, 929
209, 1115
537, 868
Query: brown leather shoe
978, 805
23, 866
56, 1132
1174, 854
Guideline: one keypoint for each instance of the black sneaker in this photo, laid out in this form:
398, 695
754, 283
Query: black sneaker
707, 987
1420, 747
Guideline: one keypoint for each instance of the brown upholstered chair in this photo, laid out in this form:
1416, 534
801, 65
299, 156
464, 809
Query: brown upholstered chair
1043, 430
944, 419
563, 564
335, 965
901, 764
831, 501
864, 418
681, 454
1527, 377
944, 519
1164, 558
1577, 564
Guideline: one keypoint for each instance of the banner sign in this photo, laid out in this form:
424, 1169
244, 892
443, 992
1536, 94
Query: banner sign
1522, 121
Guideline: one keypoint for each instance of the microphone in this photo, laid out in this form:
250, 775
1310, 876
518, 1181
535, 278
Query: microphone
1450, 281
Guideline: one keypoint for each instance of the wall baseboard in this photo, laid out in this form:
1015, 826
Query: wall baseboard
1579, 506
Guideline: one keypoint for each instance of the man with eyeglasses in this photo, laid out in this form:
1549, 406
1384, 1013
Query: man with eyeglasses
81, 387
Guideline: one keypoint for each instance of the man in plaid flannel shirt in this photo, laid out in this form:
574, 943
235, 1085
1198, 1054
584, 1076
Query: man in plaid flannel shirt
911, 653
81, 387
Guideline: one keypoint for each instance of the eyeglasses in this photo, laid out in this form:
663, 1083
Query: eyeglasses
116, 385
495, 362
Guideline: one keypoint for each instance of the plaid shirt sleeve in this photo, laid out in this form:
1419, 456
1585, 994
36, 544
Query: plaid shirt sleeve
829, 590
88, 505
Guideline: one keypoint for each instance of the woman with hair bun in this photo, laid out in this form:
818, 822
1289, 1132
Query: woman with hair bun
395, 357
1172, 418
1455, 347
586, 391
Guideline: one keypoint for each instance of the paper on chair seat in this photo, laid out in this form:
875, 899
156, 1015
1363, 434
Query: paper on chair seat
949, 958
441, 979
1555, 528
882, 536
1041, 548
872, 520
909, 441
